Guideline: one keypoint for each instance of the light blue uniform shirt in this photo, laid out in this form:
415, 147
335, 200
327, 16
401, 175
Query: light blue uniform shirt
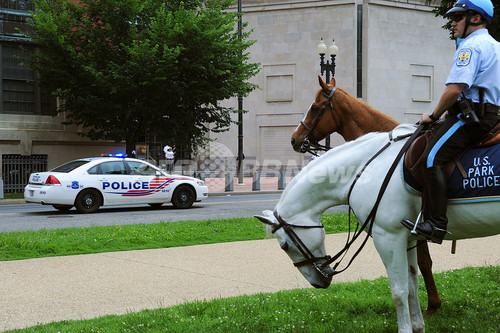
477, 64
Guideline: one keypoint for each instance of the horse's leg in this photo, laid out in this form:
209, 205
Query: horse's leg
425, 265
392, 251
417, 320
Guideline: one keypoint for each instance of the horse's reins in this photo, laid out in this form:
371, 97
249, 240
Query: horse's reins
309, 257
371, 217
306, 143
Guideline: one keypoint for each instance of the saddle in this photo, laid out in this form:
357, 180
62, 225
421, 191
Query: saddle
414, 160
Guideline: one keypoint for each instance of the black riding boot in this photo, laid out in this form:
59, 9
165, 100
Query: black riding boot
434, 228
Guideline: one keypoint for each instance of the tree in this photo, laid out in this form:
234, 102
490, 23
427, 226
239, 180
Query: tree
493, 27
124, 67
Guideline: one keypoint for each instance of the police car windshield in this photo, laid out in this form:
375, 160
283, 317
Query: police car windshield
70, 166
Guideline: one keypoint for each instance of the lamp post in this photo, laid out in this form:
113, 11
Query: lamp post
240, 113
329, 67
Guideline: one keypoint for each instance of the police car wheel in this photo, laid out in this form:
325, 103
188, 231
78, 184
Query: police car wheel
62, 208
183, 197
88, 201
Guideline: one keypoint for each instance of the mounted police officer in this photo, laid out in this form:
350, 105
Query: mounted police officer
472, 99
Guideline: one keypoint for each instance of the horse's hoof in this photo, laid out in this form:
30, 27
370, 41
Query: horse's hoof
429, 312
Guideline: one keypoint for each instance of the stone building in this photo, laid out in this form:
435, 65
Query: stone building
392, 54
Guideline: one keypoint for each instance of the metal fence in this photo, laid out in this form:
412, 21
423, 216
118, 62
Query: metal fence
16, 170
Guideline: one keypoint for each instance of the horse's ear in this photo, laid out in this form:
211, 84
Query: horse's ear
322, 83
267, 218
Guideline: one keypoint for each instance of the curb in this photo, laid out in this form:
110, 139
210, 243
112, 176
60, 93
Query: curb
210, 194
12, 201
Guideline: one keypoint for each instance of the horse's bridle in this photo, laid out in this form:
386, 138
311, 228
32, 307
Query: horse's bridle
310, 259
306, 143
327, 260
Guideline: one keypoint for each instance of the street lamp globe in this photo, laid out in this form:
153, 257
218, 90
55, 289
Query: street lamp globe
321, 47
333, 49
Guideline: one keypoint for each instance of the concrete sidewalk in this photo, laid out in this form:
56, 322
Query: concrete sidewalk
87, 286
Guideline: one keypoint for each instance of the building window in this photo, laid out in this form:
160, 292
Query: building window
24, 5
19, 94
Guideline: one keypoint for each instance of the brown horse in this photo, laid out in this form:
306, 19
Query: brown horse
335, 110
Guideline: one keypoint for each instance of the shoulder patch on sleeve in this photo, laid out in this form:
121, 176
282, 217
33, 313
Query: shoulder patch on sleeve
464, 57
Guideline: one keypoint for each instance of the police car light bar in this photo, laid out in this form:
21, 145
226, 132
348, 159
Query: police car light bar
113, 155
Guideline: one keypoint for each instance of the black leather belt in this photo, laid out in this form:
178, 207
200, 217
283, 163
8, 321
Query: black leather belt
490, 108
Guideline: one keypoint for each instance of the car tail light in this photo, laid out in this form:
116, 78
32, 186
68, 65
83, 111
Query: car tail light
51, 180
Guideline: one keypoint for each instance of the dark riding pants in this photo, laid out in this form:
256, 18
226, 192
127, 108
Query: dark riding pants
455, 135
450, 140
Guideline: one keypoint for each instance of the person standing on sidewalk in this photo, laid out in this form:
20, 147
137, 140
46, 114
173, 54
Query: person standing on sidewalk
170, 156
472, 99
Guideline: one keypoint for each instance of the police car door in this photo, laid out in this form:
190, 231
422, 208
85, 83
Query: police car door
114, 182
153, 185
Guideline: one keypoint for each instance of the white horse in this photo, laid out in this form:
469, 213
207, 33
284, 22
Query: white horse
326, 181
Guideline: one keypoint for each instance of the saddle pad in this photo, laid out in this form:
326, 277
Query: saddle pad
482, 166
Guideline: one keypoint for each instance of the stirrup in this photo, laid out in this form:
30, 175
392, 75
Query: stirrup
414, 230
437, 235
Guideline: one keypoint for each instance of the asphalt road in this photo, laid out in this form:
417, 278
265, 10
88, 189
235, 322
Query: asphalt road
21, 217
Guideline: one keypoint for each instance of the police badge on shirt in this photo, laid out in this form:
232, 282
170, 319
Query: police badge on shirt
464, 57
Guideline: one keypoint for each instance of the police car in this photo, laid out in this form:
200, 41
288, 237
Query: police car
89, 183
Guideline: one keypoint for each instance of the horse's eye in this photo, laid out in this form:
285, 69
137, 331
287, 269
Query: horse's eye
284, 246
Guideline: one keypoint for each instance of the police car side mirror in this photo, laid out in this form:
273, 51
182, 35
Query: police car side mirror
158, 173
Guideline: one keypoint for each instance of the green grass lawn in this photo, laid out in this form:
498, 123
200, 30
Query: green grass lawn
98, 239
471, 304
471, 296
13, 195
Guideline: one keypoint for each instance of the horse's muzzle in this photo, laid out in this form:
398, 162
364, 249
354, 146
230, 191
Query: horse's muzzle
295, 145
317, 286
324, 283
325, 275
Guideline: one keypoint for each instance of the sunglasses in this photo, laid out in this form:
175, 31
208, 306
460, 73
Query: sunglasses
457, 18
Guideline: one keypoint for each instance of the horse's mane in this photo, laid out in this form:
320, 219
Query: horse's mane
399, 130
378, 118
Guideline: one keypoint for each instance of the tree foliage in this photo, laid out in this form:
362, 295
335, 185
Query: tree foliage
493, 27
126, 67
